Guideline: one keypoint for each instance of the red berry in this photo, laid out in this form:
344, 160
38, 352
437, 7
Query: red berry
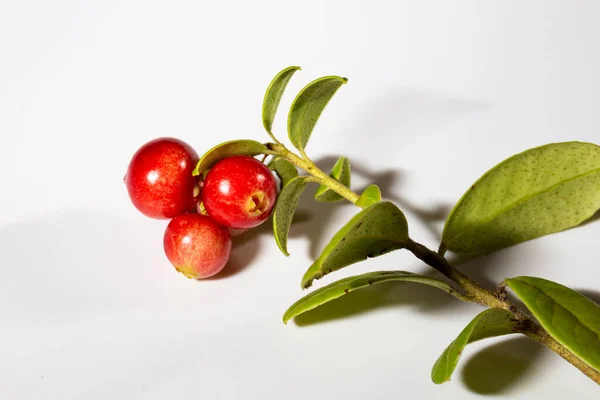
159, 178
197, 246
239, 192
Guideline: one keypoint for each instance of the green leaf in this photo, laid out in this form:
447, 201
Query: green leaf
571, 318
535, 193
235, 147
489, 323
285, 170
308, 106
374, 231
350, 284
341, 173
273, 97
285, 209
371, 195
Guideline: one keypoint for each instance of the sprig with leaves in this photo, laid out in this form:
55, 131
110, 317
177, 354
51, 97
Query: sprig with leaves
538, 192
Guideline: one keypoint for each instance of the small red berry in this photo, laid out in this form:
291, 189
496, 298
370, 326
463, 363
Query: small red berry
239, 192
197, 246
159, 178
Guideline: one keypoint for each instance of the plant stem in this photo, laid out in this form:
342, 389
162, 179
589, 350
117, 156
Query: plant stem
477, 293
320, 176
473, 291
480, 295
549, 342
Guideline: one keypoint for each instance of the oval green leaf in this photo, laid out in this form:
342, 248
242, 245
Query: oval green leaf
374, 231
273, 97
285, 170
571, 318
369, 196
341, 173
489, 323
308, 106
285, 209
235, 147
350, 284
535, 193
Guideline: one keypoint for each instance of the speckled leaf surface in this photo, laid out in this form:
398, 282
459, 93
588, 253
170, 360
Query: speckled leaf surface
228, 149
540, 191
285, 209
273, 96
344, 286
571, 318
308, 106
285, 170
374, 231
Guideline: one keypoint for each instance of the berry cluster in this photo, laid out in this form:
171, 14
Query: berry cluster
236, 194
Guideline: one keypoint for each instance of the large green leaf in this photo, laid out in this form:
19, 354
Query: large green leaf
228, 149
308, 106
350, 284
273, 97
285, 170
369, 196
341, 173
374, 231
285, 209
571, 318
540, 191
489, 323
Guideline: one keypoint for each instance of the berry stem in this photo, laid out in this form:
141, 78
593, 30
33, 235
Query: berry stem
320, 177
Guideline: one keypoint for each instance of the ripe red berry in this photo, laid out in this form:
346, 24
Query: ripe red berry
159, 178
239, 192
196, 245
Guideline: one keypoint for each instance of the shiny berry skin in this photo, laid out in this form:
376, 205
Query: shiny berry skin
196, 245
239, 192
159, 178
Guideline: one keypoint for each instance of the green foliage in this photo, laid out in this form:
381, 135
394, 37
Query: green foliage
489, 323
374, 231
308, 106
341, 173
235, 147
273, 97
369, 196
285, 209
571, 318
285, 170
540, 191
350, 284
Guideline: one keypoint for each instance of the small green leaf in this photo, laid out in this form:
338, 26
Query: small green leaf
491, 322
285, 209
374, 231
308, 106
285, 170
273, 97
341, 173
350, 284
235, 147
371, 195
571, 318
535, 193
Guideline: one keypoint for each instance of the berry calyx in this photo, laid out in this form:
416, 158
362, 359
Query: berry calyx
239, 192
159, 178
196, 245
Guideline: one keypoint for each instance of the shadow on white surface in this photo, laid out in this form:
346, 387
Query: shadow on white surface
500, 367
402, 110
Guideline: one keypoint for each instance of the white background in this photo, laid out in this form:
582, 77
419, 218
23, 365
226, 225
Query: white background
438, 93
